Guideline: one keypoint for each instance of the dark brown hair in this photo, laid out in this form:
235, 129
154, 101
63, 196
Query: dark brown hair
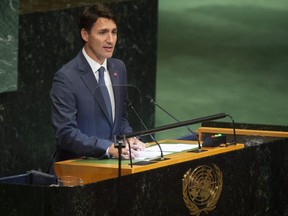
90, 15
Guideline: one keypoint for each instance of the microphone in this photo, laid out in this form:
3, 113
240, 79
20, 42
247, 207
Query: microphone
192, 132
143, 124
234, 141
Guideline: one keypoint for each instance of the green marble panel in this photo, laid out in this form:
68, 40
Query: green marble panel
8, 45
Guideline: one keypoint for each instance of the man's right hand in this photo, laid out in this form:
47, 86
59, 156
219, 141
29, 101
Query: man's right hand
113, 152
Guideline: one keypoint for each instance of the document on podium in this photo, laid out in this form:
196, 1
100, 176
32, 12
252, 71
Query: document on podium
154, 151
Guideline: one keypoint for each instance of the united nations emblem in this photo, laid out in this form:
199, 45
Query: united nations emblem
202, 188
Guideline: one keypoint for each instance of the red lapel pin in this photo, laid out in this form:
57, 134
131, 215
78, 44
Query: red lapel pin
115, 74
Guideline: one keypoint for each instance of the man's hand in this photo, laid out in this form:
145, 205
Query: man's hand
135, 144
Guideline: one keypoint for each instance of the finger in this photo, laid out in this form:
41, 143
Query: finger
126, 155
138, 146
125, 151
134, 153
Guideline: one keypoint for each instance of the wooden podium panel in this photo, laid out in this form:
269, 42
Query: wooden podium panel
94, 170
240, 132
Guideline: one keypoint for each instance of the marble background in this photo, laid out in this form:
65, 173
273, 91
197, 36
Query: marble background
8, 45
49, 38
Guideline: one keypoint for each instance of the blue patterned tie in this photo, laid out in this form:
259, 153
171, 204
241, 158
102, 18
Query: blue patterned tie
104, 91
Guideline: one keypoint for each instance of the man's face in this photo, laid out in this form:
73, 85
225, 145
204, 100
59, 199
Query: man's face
101, 40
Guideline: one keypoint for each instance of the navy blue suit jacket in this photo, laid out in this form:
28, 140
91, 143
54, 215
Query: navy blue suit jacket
79, 115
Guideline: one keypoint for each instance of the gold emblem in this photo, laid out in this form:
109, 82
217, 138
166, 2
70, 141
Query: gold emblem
202, 188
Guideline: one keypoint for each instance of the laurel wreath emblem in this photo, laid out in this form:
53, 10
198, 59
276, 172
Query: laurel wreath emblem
202, 188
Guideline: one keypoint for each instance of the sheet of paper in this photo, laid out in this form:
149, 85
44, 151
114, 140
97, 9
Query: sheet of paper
150, 154
154, 151
172, 147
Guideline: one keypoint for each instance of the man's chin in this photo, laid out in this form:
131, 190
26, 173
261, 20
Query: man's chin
109, 55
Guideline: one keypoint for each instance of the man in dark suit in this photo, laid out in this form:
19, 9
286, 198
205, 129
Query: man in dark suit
89, 94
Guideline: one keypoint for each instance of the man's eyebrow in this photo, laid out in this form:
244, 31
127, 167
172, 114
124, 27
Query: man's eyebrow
107, 29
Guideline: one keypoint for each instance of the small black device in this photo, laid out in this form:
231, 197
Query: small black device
214, 140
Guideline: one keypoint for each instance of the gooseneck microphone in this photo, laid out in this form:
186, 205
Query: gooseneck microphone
192, 132
143, 124
234, 141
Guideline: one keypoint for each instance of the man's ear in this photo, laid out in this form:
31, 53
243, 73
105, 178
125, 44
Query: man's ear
84, 35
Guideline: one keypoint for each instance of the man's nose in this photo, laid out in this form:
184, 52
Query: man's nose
110, 37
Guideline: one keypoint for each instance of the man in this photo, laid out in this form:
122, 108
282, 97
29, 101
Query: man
85, 120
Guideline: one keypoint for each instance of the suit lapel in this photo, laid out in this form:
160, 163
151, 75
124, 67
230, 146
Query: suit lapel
90, 81
116, 87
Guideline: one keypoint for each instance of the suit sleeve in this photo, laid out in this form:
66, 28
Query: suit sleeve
125, 126
64, 110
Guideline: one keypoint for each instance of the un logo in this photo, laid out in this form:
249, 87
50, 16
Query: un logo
202, 188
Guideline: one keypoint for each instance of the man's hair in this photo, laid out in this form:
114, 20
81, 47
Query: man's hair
90, 15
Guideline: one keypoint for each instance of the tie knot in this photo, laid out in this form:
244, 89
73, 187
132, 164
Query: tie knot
101, 71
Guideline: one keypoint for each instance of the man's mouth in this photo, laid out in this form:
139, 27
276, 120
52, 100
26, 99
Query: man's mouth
108, 48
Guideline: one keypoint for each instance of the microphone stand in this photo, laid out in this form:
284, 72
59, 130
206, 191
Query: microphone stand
118, 144
151, 136
130, 153
234, 141
193, 133
175, 125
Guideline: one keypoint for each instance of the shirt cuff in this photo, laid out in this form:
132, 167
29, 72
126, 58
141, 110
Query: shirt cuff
107, 154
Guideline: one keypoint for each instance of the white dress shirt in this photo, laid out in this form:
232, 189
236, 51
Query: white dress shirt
95, 67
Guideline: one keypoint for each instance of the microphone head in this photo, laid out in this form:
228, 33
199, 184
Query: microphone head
150, 98
129, 104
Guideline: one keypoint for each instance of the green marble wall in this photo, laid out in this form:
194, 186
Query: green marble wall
230, 56
8, 45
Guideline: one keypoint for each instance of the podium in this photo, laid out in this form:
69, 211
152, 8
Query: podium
93, 170
249, 178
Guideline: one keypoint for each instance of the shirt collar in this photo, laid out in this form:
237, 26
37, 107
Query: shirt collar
93, 64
